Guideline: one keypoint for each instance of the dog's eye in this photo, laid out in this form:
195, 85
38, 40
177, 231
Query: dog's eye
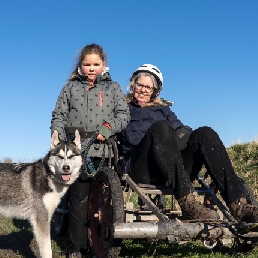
72, 156
60, 157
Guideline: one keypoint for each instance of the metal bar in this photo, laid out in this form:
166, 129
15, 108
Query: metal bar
176, 231
128, 195
157, 191
145, 198
216, 200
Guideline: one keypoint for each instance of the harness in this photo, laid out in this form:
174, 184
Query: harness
88, 166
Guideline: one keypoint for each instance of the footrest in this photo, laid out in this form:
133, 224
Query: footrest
243, 227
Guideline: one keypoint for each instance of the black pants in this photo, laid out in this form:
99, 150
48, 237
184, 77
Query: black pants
158, 160
78, 215
78, 211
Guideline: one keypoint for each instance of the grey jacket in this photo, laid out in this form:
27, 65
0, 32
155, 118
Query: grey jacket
81, 106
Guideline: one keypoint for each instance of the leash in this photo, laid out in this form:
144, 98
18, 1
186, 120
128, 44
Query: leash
88, 166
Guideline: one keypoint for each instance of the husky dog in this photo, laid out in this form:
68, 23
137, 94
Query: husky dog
33, 191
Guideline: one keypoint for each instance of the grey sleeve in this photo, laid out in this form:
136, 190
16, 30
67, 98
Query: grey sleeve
61, 112
122, 114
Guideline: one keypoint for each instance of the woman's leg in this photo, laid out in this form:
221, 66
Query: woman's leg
158, 160
205, 147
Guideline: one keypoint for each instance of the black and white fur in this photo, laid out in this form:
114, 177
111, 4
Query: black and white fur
33, 191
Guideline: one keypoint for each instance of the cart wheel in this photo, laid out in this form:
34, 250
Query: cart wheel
106, 207
61, 222
237, 245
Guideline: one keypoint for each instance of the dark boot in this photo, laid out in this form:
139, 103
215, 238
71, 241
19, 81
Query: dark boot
242, 211
74, 255
193, 209
77, 255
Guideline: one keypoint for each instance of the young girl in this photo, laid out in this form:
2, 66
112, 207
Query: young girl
93, 101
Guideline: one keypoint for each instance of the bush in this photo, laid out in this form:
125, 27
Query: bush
244, 158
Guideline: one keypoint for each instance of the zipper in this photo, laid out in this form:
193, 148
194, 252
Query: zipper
100, 98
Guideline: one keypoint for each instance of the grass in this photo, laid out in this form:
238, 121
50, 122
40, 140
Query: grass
17, 241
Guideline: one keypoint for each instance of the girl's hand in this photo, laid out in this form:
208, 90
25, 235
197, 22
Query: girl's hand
100, 137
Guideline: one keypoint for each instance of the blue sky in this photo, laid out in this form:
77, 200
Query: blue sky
206, 50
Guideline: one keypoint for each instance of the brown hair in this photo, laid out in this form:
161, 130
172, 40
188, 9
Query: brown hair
153, 103
87, 50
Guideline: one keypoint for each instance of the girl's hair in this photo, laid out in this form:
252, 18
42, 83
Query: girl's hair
87, 50
156, 102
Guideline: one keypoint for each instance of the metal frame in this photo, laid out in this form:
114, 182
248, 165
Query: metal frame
148, 221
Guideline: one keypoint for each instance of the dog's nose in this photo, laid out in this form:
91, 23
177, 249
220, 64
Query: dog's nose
66, 168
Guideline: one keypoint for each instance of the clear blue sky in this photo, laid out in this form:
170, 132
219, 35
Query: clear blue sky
207, 51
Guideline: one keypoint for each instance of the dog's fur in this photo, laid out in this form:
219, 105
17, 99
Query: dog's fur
33, 191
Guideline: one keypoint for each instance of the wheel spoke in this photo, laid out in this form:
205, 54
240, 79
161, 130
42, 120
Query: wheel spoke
102, 237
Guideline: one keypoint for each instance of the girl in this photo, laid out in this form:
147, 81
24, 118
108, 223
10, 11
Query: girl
90, 100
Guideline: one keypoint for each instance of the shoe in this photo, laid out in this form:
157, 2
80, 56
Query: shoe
74, 255
73, 252
192, 209
242, 211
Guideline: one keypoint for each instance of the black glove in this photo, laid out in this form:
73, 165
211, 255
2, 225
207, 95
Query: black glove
183, 134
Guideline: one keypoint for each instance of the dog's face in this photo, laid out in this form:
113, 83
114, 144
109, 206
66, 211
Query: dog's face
65, 159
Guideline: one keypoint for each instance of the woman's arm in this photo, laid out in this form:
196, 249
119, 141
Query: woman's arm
183, 132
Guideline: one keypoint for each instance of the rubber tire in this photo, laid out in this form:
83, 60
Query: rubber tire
100, 226
61, 223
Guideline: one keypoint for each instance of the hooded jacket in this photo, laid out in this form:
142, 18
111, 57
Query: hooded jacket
142, 118
81, 105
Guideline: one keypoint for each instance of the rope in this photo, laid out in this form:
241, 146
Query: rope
88, 166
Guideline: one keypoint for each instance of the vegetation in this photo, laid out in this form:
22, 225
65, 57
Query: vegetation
244, 158
16, 238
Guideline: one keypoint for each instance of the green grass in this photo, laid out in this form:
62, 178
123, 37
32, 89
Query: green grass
17, 241
244, 158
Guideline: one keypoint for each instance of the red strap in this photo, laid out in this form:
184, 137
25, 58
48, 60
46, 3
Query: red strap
107, 125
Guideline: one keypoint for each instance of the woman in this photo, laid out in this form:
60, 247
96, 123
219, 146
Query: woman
159, 149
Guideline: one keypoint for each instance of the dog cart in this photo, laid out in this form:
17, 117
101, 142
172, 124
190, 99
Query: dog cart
113, 217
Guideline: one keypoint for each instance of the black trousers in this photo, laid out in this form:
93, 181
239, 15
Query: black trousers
78, 214
158, 160
78, 211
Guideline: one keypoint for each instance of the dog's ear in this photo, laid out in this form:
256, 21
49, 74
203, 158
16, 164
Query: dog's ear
77, 140
55, 140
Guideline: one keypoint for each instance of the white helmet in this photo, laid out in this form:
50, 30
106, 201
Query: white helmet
152, 69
